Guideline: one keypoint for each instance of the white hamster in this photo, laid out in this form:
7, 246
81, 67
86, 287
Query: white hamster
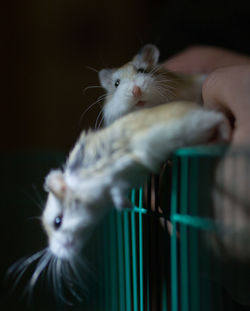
105, 164
100, 170
143, 83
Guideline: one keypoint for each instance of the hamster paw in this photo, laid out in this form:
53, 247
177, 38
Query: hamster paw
120, 199
224, 131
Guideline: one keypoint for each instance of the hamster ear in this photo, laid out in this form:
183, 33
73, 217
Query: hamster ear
55, 183
105, 77
148, 55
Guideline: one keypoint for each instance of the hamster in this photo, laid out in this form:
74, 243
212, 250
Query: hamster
101, 169
105, 164
143, 83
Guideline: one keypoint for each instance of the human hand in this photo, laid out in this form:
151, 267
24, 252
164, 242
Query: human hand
227, 87
204, 59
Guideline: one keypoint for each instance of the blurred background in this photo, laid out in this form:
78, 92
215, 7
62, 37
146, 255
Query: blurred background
47, 49
48, 46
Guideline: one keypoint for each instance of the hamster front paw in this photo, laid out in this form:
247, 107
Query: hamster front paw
119, 198
224, 130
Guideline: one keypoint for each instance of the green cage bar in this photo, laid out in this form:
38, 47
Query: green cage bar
113, 262
134, 253
127, 261
174, 254
141, 249
121, 269
184, 162
193, 239
131, 236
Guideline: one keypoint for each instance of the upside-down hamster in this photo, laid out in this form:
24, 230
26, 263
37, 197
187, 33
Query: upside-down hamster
105, 164
99, 172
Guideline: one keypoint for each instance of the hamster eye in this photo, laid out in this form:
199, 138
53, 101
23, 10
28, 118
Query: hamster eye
142, 70
58, 222
117, 82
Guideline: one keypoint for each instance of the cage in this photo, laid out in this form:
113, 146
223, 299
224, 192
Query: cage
182, 246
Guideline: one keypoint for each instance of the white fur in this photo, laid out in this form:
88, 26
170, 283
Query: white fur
100, 170
122, 100
157, 85
127, 151
162, 139
81, 212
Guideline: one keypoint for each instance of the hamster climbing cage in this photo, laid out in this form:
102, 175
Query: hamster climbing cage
183, 246
172, 251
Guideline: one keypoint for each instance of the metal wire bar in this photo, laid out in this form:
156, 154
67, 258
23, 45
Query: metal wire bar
141, 250
134, 254
127, 261
121, 266
174, 258
184, 236
193, 240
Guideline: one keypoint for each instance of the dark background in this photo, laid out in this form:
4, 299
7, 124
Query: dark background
46, 48
48, 44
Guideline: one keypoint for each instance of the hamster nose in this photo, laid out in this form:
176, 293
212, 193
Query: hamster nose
136, 91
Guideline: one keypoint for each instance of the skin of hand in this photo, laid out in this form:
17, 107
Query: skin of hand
227, 88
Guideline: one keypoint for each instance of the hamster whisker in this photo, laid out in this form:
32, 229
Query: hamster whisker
42, 264
160, 90
85, 265
77, 277
97, 119
23, 262
38, 195
50, 270
165, 81
18, 269
35, 218
164, 91
163, 78
167, 88
56, 280
37, 203
53, 274
163, 95
65, 276
92, 69
175, 79
68, 281
61, 274
154, 69
59, 280
91, 106
91, 87
100, 123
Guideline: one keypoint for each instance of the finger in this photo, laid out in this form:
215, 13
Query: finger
228, 90
204, 59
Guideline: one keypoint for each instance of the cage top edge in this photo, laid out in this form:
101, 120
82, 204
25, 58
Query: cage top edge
194, 151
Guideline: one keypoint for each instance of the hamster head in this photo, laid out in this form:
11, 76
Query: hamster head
140, 83
71, 213
68, 217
